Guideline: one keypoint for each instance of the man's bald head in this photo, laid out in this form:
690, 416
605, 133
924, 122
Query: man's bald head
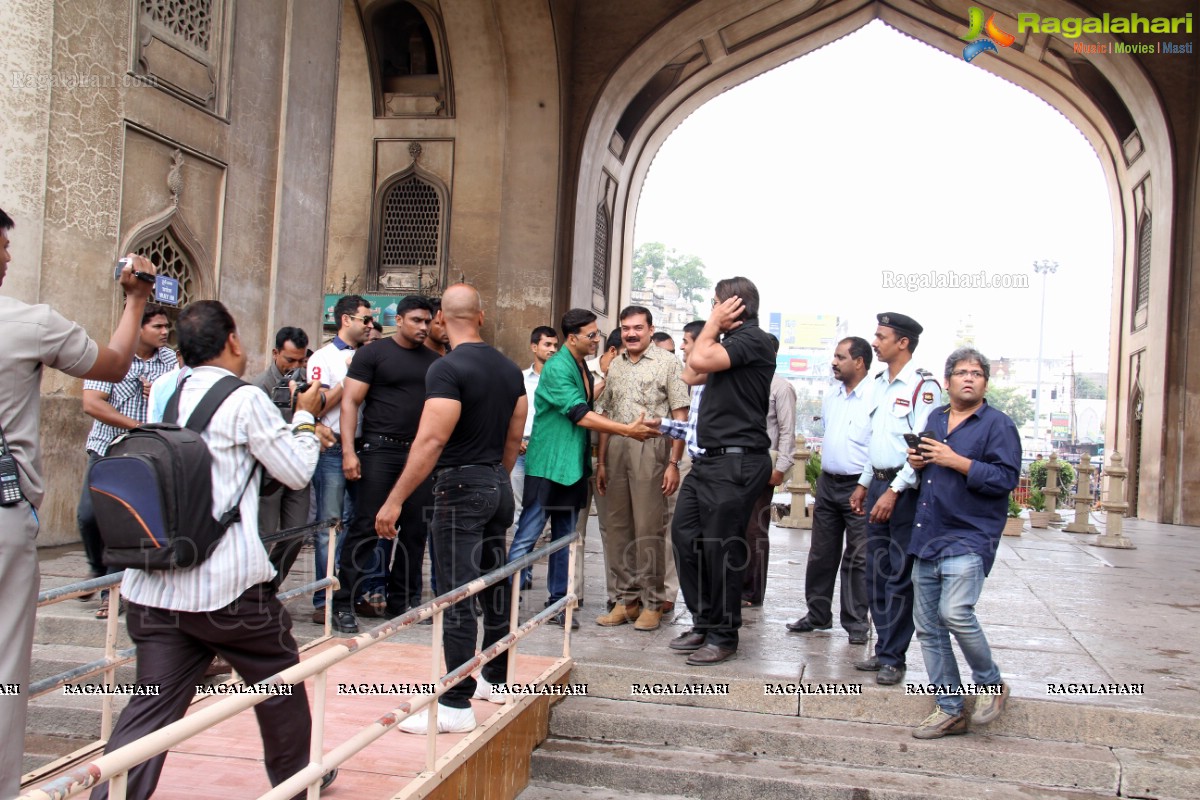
461, 302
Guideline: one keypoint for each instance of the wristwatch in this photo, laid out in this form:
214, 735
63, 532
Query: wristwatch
674, 464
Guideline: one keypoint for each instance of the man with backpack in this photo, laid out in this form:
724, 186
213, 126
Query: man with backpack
226, 605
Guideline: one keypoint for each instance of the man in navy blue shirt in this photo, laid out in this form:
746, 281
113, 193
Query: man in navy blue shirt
966, 470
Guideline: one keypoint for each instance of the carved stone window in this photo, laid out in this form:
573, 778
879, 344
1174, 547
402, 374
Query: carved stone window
183, 46
411, 234
1141, 306
189, 20
600, 258
169, 258
407, 53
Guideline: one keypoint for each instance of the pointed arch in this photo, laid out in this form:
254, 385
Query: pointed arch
408, 239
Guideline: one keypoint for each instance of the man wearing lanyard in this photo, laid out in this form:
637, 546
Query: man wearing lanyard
903, 396
328, 367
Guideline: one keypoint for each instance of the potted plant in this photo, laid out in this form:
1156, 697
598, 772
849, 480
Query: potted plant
1014, 525
1039, 517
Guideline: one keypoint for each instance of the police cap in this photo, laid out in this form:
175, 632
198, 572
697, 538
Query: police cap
901, 324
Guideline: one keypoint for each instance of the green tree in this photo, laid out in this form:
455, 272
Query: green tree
1009, 400
648, 261
1088, 389
686, 270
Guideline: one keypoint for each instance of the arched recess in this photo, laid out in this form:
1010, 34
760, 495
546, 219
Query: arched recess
176, 252
713, 45
408, 240
408, 59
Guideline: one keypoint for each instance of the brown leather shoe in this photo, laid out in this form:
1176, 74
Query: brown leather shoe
365, 608
648, 620
619, 615
711, 654
687, 642
667, 607
318, 616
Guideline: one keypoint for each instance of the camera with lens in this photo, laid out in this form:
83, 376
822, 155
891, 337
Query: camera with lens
282, 395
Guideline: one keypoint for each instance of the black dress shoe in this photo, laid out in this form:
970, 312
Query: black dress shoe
688, 642
889, 675
328, 778
858, 637
711, 654
802, 625
869, 665
344, 622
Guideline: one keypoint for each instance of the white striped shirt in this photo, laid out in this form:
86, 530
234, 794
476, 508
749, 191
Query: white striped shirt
246, 430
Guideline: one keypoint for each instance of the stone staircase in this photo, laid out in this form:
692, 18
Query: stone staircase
610, 745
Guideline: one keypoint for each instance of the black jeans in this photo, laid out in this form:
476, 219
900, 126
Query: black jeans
472, 511
709, 534
382, 462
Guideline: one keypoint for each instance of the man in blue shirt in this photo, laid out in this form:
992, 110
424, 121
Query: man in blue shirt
966, 471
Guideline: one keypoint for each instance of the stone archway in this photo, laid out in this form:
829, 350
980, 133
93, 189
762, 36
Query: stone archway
712, 46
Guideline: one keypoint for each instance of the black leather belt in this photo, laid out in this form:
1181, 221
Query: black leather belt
843, 478
734, 451
379, 437
442, 470
885, 474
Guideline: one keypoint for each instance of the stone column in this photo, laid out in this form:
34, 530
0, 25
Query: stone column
1115, 506
799, 517
1083, 497
1052, 491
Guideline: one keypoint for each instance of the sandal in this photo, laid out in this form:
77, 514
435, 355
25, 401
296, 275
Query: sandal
102, 612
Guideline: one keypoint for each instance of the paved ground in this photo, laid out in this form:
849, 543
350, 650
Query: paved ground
1055, 609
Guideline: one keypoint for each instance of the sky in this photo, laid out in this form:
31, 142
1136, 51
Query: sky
878, 156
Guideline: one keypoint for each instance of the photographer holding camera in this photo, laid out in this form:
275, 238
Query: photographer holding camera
279, 507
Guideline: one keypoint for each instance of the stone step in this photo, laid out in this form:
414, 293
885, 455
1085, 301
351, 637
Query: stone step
980, 756
74, 623
58, 714
53, 659
713, 775
41, 750
1032, 718
548, 790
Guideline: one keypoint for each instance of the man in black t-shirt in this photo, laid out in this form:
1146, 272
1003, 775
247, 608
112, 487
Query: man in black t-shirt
471, 431
389, 376
709, 528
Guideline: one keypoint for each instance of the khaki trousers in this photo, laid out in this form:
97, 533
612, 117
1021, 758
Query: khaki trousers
636, 528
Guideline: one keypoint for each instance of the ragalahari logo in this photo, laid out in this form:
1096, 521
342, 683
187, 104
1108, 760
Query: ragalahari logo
983, 36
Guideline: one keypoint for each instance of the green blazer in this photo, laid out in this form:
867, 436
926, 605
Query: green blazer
557, 446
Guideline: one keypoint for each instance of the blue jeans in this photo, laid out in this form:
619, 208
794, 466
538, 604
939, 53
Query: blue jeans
330, 484
529, 528
946, 590
472, 509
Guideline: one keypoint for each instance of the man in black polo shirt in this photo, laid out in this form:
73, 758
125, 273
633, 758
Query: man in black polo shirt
390, 377
709, 529
471, 430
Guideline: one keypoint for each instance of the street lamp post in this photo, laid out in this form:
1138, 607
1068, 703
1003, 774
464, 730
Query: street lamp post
1043, 268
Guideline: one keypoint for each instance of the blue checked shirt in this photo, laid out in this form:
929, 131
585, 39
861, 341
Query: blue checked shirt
686, 429
126, 395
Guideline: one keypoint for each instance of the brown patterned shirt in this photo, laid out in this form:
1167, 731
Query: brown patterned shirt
652, 385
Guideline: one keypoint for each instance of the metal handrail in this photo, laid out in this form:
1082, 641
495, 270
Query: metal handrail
113, 659
115, 766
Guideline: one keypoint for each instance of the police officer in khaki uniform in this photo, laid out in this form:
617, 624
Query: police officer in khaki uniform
902, 397
37, 336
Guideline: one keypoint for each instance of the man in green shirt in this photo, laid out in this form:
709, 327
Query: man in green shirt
557, 464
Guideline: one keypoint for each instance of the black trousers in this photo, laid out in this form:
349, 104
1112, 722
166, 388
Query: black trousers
382, 462
889, 573
832, 518
758, 540
473, 509
709, 535
254, 634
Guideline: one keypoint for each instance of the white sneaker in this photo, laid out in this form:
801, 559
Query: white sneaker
486, 690
449, 720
